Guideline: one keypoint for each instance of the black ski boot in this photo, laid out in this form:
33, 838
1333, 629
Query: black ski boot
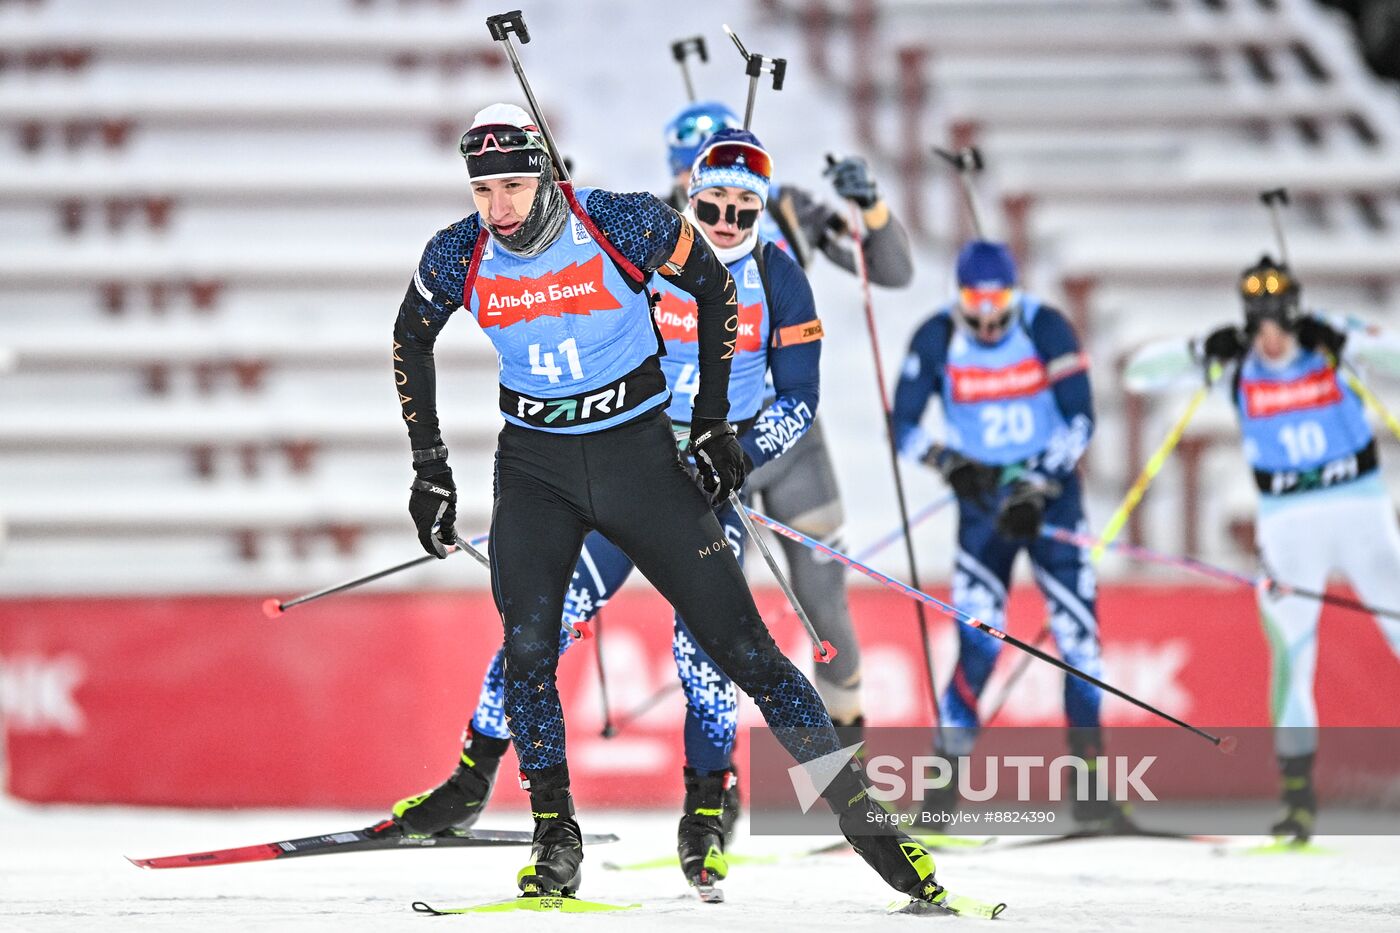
1104, 817
905, 865
733, 805
455, 804
1299, 801
556, 852
701, 836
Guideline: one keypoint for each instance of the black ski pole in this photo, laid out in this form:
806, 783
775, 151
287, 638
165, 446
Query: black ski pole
608, 730
926, 647
273, 607
1016, 675
1226, 744
823, 652
642, 708
502, 26
681, 50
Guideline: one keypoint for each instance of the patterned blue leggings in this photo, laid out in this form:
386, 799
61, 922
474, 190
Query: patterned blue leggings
712, 701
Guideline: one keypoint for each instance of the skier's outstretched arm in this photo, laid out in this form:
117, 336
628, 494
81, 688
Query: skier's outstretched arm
888, 259
1174, 363
1352, 340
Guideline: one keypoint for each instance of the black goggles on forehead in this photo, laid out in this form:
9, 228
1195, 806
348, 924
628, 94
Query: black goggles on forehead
483, 139
707, 212
744, 156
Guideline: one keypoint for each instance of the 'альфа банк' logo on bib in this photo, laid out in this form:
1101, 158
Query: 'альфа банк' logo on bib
675, 316
574, 289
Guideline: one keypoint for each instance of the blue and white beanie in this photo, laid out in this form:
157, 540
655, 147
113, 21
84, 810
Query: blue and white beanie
738, 175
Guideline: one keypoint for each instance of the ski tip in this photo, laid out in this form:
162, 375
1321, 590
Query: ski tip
421, 908
272, 607
951, 904
709, 894
139, 862
1287, 847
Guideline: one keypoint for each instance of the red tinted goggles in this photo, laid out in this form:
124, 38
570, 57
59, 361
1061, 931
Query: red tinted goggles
987, 300
743, 156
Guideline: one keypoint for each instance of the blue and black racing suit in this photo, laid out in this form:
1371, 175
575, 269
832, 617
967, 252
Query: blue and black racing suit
778, 333
588, 447
1022, 404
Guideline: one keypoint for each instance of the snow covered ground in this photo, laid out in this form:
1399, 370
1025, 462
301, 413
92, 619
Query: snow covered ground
61, 868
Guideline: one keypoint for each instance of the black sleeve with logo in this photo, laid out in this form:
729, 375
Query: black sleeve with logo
433, 295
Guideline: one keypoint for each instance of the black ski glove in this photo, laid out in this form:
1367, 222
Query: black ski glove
719, 460
969, 479
852, 180
1023, 510
432, 501
1225, 344
1314, 332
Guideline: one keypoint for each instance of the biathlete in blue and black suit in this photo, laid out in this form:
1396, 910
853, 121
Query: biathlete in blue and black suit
778, 333
1018, 415
558, 280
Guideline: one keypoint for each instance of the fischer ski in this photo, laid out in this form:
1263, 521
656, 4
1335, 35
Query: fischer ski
772, 858
385, 835
1081, 835
937, 842
1278, 847
946, 902
544, 904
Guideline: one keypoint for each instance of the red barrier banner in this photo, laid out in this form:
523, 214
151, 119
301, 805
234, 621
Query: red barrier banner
361, 699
